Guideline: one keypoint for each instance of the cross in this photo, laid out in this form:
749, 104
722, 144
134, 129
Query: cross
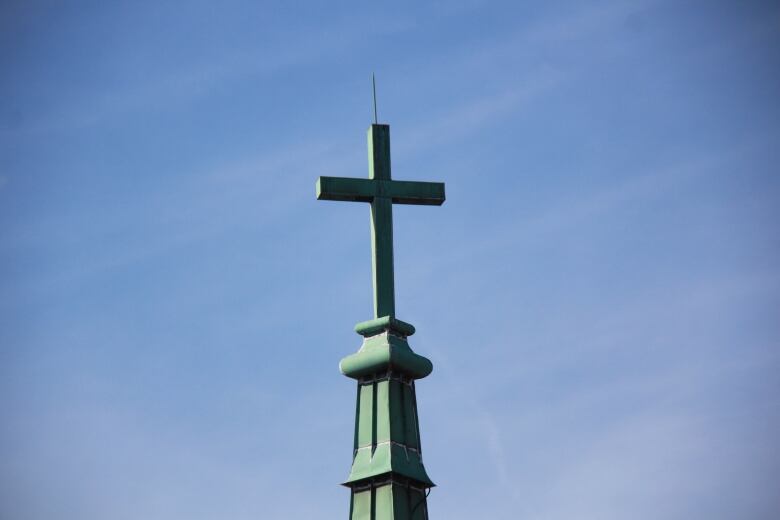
382, 192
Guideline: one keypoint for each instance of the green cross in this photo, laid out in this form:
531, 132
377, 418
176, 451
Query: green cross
381, 191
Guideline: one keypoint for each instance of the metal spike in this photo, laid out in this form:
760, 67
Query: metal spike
373, 83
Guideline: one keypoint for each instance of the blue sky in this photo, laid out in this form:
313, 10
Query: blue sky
599, 294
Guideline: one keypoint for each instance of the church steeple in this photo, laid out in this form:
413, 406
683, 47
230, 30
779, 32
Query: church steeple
388, 480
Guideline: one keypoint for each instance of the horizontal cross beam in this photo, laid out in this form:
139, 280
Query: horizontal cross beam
365, 190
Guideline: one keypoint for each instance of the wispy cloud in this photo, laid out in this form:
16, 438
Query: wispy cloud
576, 208
183, 211
586, 20
659, 462
631, 440
473, 116
179, 87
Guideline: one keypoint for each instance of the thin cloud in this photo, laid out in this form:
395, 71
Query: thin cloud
471, 117
191, 83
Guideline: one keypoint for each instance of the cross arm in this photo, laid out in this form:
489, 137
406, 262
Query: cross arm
413, 192
345, 188
364, 190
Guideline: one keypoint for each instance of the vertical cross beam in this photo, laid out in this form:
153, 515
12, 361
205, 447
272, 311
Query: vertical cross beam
381, 222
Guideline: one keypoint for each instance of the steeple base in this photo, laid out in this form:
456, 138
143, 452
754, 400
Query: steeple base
388, 479
388, 499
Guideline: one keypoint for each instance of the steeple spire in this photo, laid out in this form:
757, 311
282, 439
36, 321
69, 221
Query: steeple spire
388, 480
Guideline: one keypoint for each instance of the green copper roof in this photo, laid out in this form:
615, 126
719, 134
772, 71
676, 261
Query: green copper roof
384, 352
